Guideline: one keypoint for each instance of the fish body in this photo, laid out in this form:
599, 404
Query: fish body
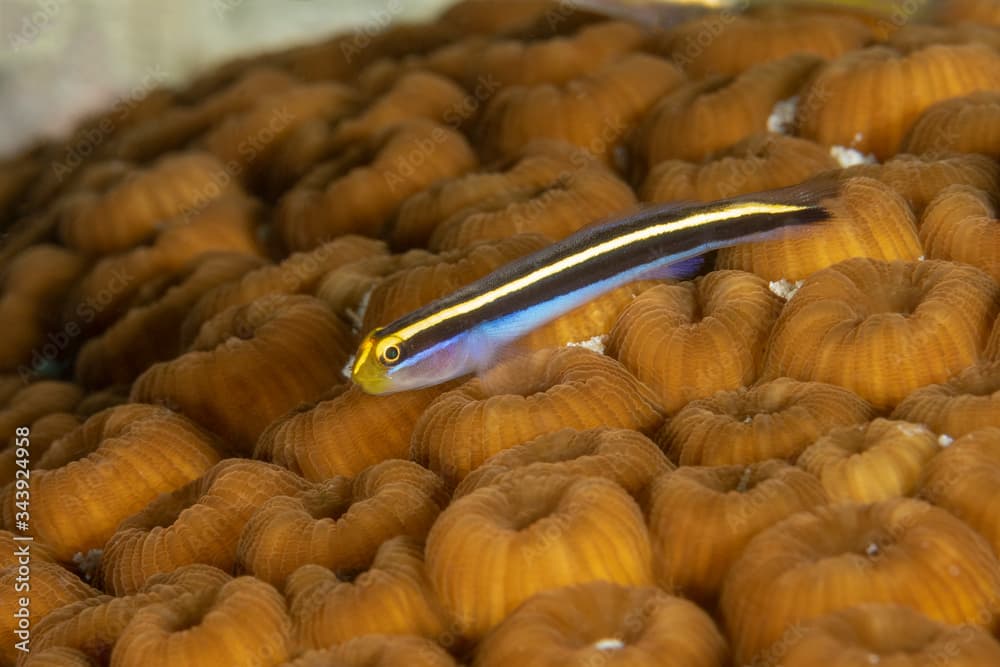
464, 331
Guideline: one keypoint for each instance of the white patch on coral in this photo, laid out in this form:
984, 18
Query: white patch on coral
848, 157
786, 289
348, 367
921, 258
944, 439
357, 316
609, 644
783, 115
595, 344
911, 430
88, 563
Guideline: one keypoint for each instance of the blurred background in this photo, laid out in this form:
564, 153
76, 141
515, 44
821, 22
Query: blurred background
61, 59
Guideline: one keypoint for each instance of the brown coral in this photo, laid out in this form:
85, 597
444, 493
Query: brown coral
963, 224
694, 338
723, 43
346, 433
113, 465
378, 651
361, 188
840, 107
496, 547
524, 398
876, 461
701, 518
969, 124
391, 596
250, 364
884, 329
776, 419
37, 399
198, 523
762, 161
210, 627
900, 551
967, 401
131, 210
889, 634
965, 478
707, 115
867, 219
626, 457
601, 623
340, 522
594, 111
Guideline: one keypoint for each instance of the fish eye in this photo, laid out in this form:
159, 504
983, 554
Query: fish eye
390, 354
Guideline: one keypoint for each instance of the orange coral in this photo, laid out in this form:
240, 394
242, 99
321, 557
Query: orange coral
593, 111
340, 522
701, 518
888, 634
707, 115
37, 399
392, 596
762, 161
876, 461
694, 338
198, 523
361, 188
969, 124
965, 478
378, 651
548, 531
867, 219
967, 401
346, 433
900, 551
884, 329
210, 627
776, 419
838, 107
113, 465
626, 457
524, 398
722, 43
600, 623
250, 364
963, 224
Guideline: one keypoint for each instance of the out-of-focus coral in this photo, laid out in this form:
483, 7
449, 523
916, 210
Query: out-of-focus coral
701, 519
524, 398
962, 224
969, 124
594, 111
626, 457
110, 467
552, 531
602, 623
867, 219
33, 286
980, 11
885, 633
346, 433
876, 461
35, 400
836, 556
339, 523
198, 523
251, 364
965, 479
723, 43
884, 329
776, 419
42, 432
131, 209
707, 115
692, 339
762, 161
359, 189
838, 107
390, 596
